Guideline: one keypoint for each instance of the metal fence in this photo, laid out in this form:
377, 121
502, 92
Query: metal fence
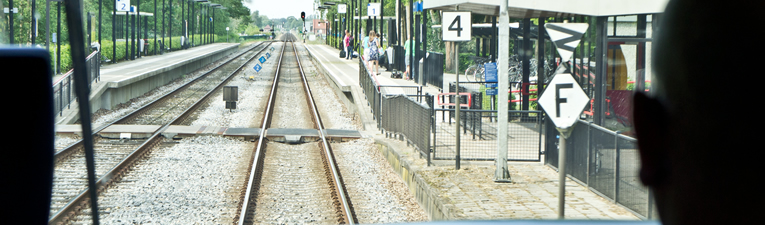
399, 110
608, 163
433, 70
402, 115
478, 139
63, 89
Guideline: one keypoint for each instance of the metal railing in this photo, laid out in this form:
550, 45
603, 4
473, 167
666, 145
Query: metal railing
478, 139
399, 110
608, 163
63, 89
433, 69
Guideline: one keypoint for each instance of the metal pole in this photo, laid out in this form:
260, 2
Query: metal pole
100, 6
161, 51
137, 24
561, 176
47, 25
457, 103
169, 26
132, 37
155, 27
34, 22
127, 37
501, 174
114, 36
58, 37
10, 21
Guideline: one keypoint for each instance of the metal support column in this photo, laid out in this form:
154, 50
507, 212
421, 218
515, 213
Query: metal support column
601, 51
501, 174
169, 25
541, 72
525, 62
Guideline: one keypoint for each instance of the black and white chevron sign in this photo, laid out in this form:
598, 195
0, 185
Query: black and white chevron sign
566, 37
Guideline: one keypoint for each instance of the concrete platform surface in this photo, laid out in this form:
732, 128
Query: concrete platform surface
129, 79
469, 193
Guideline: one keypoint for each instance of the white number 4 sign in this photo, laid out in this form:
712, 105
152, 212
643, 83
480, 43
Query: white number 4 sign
456, 26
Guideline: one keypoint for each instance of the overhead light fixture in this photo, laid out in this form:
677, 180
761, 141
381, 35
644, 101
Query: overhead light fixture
330, 3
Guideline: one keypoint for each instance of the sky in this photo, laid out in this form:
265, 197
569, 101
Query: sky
280, 8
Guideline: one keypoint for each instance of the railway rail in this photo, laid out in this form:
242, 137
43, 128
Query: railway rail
70, 192
281, 187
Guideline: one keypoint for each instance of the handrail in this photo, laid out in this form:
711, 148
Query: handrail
469, 102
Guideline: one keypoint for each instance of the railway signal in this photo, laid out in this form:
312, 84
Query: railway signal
564, 99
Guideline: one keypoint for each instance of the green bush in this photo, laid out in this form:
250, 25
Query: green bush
107, 49
486, 100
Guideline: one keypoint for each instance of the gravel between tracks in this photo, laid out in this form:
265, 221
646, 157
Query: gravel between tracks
378, 194
190, 182
199, 179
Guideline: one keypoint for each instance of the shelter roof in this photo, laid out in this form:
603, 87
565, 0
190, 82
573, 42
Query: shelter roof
552, 8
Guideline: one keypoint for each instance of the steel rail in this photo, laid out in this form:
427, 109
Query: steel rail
336, 177
70, 209
257, 161
79, 144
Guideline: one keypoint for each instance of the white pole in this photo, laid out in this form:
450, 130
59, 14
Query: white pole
502, 174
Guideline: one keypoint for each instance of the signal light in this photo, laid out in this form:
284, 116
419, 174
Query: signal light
302, 15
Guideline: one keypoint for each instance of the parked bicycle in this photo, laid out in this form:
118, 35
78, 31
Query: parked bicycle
475, 72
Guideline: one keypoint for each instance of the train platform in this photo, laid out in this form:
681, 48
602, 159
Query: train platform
123, 81
469, 193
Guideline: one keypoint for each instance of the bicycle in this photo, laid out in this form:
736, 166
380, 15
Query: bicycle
476, 70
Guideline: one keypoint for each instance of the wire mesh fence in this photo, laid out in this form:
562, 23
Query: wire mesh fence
403, 115
478, 136
608, 163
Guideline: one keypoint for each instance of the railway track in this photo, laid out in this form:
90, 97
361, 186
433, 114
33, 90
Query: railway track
293, 183
115, 156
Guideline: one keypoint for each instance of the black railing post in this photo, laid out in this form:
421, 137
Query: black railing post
589, 152
616, 167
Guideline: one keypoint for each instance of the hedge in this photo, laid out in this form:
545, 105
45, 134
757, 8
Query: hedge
107, 50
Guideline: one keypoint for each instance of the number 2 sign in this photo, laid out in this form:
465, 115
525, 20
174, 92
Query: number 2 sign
456, 26
122, 5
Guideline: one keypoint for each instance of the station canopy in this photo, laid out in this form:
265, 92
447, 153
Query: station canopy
551, 8
122, 13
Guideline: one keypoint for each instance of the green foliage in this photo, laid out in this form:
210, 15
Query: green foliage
631, 86
486, 100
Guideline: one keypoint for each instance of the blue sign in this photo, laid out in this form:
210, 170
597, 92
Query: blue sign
262, 59
491, 85
257, 68
490, 71
418, 6
268, 55
491, 91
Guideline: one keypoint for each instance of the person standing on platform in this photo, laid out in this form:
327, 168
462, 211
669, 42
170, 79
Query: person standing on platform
347, 42
365, 46
374, 53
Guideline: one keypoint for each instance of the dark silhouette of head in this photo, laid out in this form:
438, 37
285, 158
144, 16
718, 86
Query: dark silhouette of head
697, 130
